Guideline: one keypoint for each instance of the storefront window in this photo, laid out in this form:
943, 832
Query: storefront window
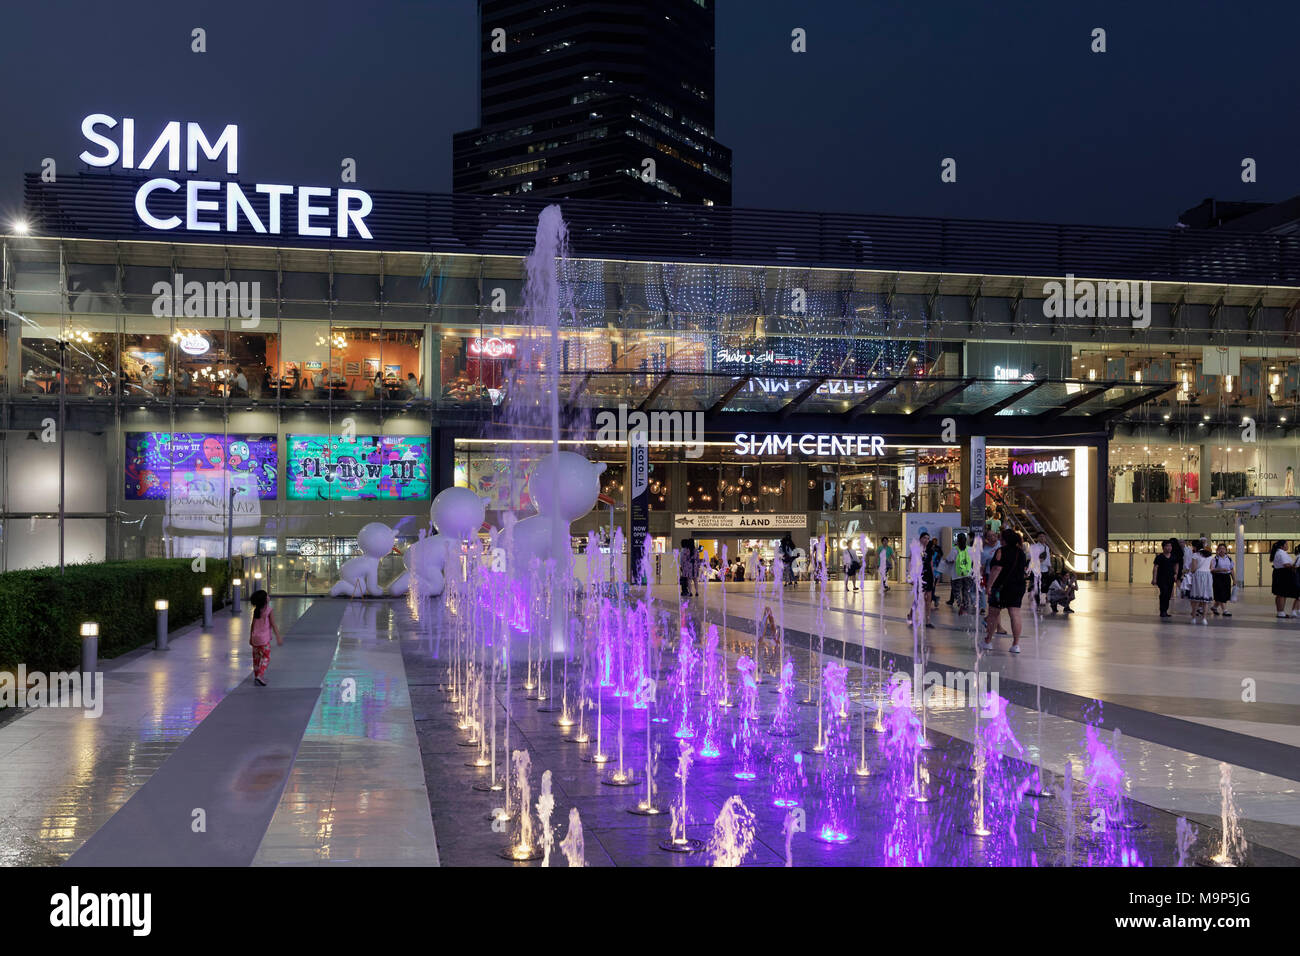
702, 488
823, 488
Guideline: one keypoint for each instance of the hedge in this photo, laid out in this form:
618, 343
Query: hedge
41, 610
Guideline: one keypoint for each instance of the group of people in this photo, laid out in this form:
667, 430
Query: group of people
1009, 569
1204, 575
694, 565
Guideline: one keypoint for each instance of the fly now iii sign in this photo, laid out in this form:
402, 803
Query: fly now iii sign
206, 205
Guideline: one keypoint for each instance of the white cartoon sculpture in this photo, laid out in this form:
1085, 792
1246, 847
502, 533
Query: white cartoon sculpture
426, 562
533, 538
359, 576
571, 479
458, 512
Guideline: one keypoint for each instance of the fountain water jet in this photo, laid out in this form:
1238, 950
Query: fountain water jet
678, 841
1232, 841
573, 846
733, 834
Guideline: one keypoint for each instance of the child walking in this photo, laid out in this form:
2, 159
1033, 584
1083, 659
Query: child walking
260, 635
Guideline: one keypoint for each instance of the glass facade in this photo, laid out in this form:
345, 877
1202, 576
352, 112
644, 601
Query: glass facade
277, 355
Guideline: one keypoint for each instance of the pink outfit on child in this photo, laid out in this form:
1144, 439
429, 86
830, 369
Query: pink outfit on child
260, 639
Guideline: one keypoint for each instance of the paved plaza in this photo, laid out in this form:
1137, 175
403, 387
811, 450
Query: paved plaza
351, 755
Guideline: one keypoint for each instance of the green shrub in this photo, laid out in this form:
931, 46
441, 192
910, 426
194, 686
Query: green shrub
41, 610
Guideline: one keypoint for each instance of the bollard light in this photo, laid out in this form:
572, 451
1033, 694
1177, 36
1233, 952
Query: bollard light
89, 651
207, 607
236, 591
160, 634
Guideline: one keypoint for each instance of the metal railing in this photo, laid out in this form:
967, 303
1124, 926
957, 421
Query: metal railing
102, 206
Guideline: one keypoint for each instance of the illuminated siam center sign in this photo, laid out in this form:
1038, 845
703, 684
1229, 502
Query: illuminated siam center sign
808, 445
212, 206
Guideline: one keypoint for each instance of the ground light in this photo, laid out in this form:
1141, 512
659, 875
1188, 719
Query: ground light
160, 637
89, 649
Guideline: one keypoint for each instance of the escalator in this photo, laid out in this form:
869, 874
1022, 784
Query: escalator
1029, 520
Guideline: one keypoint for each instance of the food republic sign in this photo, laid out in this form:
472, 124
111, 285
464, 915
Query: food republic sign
207, 200
1058, 466
810, 446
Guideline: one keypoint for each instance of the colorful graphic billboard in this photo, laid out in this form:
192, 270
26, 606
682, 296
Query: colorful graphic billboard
158, 463
370, 467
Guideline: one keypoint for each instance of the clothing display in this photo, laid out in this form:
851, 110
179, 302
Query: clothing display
1134, 484
1187, 487
1231, 484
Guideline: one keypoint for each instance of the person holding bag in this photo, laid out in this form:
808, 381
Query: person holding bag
1284, 580
1221, 567
1006, 588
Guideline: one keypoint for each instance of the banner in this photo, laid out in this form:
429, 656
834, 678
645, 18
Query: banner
978, 466
716, 522
638, 502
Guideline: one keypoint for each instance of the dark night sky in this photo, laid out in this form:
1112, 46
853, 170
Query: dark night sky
1041, 128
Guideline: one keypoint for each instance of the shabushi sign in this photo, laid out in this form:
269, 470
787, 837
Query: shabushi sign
1058, 466
212, 206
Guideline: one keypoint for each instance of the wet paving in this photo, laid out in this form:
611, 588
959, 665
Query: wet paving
62, 775
883, 823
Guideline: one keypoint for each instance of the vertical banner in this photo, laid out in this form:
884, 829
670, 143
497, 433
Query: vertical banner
638, 502
978, 463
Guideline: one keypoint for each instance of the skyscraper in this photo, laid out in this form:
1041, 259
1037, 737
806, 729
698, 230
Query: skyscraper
595, 99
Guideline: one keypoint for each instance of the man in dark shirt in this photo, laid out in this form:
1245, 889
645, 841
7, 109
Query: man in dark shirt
1164, 575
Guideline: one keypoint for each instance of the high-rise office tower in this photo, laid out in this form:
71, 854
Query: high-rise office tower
597, 99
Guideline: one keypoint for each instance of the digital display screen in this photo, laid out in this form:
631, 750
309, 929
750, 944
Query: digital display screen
162, 466
370, 467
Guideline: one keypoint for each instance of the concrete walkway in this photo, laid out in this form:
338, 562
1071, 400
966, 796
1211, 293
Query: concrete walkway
187, 731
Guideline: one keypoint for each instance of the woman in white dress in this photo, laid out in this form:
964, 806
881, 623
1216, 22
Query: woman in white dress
1200, 582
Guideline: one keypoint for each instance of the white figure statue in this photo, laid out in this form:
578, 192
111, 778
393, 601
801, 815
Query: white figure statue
359, 576
458, 512
574, 480
426, 562
533, 538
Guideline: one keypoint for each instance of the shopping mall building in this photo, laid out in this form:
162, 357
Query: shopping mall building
181, 375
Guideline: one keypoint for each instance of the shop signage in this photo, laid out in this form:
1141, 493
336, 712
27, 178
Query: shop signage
835, 386
808, 445
748, 357
207, 200
191, 343
715, 522
494, 348
1011, 375
1057, 466
978, 466
638, 501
